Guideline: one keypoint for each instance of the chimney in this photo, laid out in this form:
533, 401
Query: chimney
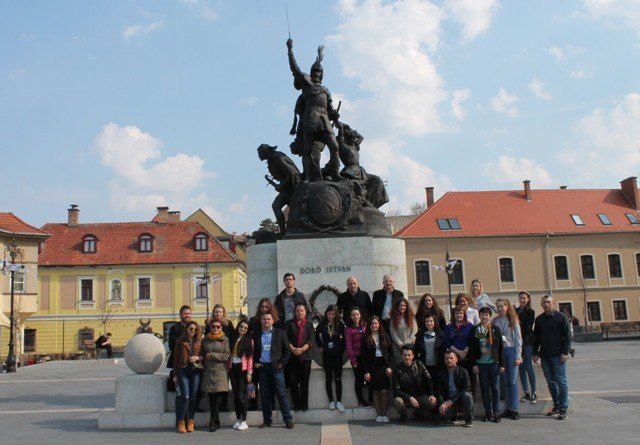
630, 191
527, 189
73, 215
429, 191
163, 215
563, 187
174, 216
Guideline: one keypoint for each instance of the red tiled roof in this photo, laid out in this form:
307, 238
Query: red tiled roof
11, 224
118, 245
508, 213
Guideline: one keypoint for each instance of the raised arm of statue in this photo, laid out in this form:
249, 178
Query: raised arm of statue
293, 65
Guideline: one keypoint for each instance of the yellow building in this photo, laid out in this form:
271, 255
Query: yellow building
117, 277
580, 246
27, 239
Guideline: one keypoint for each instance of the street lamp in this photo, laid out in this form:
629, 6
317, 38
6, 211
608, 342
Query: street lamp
14, 251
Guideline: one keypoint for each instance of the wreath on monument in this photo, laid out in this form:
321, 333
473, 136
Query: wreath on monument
318, 313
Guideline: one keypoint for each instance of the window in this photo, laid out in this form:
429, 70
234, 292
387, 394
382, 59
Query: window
615, 266
146, 243
457, 277
201, 288
89, 244
423, 277
638, 263
448, 224
562, 267
29, 340
619, 310
633, 219
566, 309
201, 241
506, 270
604, 219
588, 270
86, 289
18, 282
593, 311
144, 288
577, 220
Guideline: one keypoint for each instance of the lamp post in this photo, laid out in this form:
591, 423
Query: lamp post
14, 251
449, 270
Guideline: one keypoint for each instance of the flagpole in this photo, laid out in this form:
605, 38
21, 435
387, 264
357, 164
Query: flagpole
449, 270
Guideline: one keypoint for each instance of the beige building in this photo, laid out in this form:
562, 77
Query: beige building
576, 245
28, 239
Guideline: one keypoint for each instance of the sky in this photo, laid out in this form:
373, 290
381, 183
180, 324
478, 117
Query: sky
124, 106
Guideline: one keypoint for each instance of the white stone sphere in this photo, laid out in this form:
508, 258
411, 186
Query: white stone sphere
144, 354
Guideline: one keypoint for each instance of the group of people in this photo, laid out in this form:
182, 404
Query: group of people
430, 366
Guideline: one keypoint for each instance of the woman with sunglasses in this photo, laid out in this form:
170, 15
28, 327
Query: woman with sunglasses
241, 367
215, 379
186, 364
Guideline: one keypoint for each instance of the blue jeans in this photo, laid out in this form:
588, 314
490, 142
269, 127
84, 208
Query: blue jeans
526, 369
490, 387
188, 385
510, 379
272, 382
556, 374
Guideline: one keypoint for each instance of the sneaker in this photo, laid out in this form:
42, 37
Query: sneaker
332, 405
339, 407
379, 419
243, 426
562, 415
385, 419
468, 423
554, 412
487, 417
496, 418
526, 397
534, 398
515, 415
236, 425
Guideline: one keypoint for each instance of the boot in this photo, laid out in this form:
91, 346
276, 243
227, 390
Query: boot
191, 427
181, 427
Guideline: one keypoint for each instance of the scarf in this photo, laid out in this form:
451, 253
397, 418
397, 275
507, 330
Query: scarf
218, 336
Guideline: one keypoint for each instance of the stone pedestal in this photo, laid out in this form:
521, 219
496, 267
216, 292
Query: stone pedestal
324, 261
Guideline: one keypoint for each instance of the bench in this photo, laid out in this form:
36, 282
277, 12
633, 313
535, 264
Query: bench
620, 328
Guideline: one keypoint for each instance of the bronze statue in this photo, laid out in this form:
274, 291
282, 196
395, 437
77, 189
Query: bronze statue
316, 111
283, 170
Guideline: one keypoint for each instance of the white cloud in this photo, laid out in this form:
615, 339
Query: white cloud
140, 30
512, 171
609, 143
536, 86
557, 53
205, 10
624, 12
385, 48
578, 74
504, 102
142, 180
459, 96
474, 15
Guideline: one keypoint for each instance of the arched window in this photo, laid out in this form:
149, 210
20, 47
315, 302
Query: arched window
201, 242
89, 244
145, 243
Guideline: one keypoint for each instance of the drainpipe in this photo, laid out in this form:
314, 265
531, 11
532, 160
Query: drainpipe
546, 265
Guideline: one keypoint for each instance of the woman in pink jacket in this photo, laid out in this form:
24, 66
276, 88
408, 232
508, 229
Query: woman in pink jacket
353, 337
241, 367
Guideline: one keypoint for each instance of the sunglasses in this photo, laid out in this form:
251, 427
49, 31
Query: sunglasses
215, 326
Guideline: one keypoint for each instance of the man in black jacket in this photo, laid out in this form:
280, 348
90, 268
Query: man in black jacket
177, 330
551, 343
270, 355
412, 386
287, 300
453, 389
354, 297
383, 300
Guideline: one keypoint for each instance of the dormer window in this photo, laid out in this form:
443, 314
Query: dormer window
577, 220
89, 244
145, 243
448, 224
201, 242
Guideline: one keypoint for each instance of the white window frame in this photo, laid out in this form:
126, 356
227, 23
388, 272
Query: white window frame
555, 276
87, 304
570, 302
614, 281
509, 284
415, 275
595, 267
22, 283
144, 302
626, 306
194, 289
599, 302
464, 281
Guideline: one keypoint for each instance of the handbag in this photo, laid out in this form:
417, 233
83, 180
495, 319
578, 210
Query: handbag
251, 391
171, 385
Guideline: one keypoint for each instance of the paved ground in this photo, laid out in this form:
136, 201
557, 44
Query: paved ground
57, 403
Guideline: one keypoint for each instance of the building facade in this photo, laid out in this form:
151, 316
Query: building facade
580, 246
120, 277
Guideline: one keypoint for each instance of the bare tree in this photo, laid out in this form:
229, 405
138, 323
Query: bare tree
583, 283
105, 312
417, 208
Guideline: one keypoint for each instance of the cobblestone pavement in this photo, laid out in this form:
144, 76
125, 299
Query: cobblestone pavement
58, 402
